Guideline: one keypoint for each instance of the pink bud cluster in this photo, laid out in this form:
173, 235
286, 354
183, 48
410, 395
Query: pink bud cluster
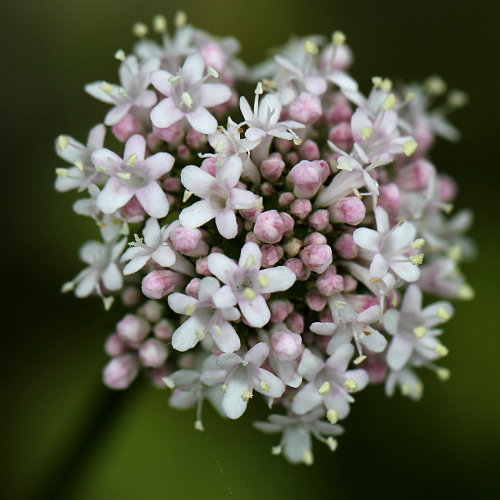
280, 244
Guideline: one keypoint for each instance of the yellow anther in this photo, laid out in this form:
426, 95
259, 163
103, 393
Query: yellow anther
250, 261
276, 450
62, 142
417, 259
377, 81
405, 389
417, 244
435, 85
359, 359
159, 23
340, 304
246, 396
386, 85
259, 89
409, 147
410, 96
263, 280
223, 388
187, 195
67, 287
249, 294
356, 193
217, 330
131, 160
168, 382
106, 87
198, 425
297, 140
264, 385
190, 309
308, 457
180, 18
120, 55
350, 384
139, 30
418, 390
332, 443
338, 38
259, 203
124, 175
108, 302
443, 374
443, 313
292, 247
419, 331
441, 350
212, 72
394, 301
187, 99
366, 133
465, 292
79, 165
200, 335
174, 79
122, 92
457, 99
332, 416
62, 172
310, 47
343, 165
389, 101
455, 253
325, 388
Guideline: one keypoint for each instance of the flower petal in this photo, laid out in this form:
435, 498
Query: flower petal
256, 312
165, 113
153, 200
113, 196
202, 121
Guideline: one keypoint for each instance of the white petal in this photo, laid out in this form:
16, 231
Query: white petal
197, 181
185, 337
367, 239
232, 403
153, 200
222, 267
399, 352
213, 94
165, 113
158, 164
202, 121
256, 311
113, 196
280, 279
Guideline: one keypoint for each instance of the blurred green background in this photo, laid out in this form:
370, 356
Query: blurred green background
445, 446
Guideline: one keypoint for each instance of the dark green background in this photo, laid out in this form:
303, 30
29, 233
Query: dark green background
446, 446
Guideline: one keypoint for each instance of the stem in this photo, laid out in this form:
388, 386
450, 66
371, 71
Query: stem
64, 476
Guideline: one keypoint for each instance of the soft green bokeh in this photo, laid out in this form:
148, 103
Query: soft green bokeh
444, 446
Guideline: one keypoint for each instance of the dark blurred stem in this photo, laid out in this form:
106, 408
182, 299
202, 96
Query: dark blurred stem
103, 409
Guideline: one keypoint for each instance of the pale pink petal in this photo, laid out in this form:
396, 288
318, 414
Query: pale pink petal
250, 256
412, 300
228, 174
164, 256
153, 200
406, 271
227, 339
105, 158
222, 267
367, 239
193, 68
375, 342
344, 81
197, 181
359, 121
337, 401
197, 214
135, 264
382, 220
306, 399
208, 288
274, 386
360, 377
401, 236
323, 328
309, 365
146, 99
113, 196
399, 352
202, 121
115, 114
379, 266
136, 145
280, 279
388, 124
213, 94
242, 199
185, 337
246, 110
165, 113
181, 303
87, 284
315, 84
96, 136
159, 79
112, 278
158, 164
256, 311
257, 354
369, 315
225, 298
226, 223
339, 360
232, 403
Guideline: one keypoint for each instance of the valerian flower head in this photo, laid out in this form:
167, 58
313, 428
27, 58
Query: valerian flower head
268, 243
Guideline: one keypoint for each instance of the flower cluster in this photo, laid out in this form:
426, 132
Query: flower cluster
275, 242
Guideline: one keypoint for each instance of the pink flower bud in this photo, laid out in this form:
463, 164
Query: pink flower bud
195, 139
306, 109
285, 199
183, 152
390, 197
189, 241
192, 287
251, 214
214, 56
415, 176
272, 168
163, 330
325, 316
251, 237
297, 266
301, 208
283, 145
306, 178
280, 309
361, 302
346, 247
309, 150
288, 222
128, 126
447, 188
267, 189
172, 135
271, 254
202, 267
340, 112
131, 296
157, 284
153, 353
350, 284
269, 227
133, 212
314, 239
172, 184
295, 322
158, 374
376, 368
330, 283
317, 257
114, 345
120, 372
292, 158
315, 301
341, 136
319, 219
152, 310
133, 328
350, 210
286, 345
